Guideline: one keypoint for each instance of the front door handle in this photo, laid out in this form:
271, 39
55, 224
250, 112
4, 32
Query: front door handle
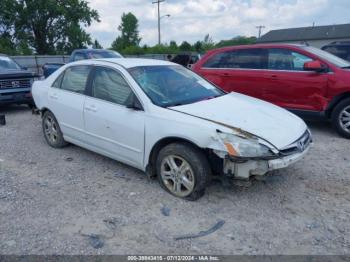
225, 74
274, 77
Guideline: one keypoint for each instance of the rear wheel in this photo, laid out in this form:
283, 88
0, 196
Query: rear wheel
52, 131
183, 170
341, 118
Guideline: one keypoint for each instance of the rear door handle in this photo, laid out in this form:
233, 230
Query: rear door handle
274, 77
225, 74
54, 96
91, 108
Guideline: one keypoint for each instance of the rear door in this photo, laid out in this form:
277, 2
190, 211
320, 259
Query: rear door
66, 100
111, 127
241, 70
289, 85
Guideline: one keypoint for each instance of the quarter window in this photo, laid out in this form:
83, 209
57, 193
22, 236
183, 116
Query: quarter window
58, 81
285, 59
240, 59
75, 79
109, 85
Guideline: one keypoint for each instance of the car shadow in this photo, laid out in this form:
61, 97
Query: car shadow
6, 109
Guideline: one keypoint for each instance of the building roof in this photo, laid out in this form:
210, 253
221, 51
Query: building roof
307, 33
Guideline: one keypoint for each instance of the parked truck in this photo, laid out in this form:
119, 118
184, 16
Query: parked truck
81, 54
15, 82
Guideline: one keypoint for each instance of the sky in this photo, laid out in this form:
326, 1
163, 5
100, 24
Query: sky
191, 20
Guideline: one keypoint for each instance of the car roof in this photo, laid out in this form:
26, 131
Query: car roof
134, 62
92, 50
227, 48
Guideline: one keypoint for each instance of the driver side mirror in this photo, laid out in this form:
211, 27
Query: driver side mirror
315, 65
134, 103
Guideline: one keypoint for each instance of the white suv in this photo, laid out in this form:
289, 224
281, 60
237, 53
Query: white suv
166, 120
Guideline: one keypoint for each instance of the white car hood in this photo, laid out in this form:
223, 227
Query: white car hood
272, 123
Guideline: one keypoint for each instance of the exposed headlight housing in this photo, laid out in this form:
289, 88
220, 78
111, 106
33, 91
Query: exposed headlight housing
241, 147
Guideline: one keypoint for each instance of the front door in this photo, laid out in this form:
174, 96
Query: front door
111, 127
289, 85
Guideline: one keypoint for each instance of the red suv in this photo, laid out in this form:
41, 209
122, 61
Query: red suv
306, 80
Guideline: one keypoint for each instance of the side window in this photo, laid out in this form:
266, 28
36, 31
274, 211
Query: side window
248, 59
245, 59
109, 85
79, 56
217, 60
285, 59
299, 60
58, 81
75, 79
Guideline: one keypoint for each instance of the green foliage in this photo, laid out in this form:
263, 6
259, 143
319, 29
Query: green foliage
47, 26
97, 45
129, 33
239, 40
208, 43
185, 46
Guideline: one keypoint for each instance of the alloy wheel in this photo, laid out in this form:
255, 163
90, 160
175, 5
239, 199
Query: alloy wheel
344, 119
51, 129
177, 175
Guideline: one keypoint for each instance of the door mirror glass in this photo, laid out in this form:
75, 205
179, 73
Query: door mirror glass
314, 66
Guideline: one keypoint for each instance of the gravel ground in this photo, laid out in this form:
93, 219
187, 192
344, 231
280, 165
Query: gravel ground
72, 201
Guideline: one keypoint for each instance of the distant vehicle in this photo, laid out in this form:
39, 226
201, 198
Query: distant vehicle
81, 54
340, 49
167, 121
306, 80
15, 82
186, 59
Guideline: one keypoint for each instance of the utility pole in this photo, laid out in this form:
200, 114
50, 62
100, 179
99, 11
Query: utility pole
260, 27
158, 2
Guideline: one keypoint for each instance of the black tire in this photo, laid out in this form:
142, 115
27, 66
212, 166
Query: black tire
31, 105
337, 115
200, 171
56, 140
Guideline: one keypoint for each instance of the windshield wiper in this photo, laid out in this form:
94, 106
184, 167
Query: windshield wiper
346, 67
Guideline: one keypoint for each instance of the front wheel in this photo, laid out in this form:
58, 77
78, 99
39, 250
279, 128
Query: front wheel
341, 118
52, 131
183, 170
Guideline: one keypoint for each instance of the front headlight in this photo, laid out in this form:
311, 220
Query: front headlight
244, 147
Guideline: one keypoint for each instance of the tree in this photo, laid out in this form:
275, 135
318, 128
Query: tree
129, 33
185, 46
97, 45
238, 40
48, 26
198, 46
208, 43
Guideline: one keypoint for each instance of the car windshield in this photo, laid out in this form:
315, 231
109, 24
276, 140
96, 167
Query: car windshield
173, 85
8, 64
104, 54
337, 61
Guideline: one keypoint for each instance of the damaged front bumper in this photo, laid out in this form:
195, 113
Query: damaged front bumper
245, 169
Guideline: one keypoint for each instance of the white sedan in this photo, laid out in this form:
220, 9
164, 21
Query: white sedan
167, 121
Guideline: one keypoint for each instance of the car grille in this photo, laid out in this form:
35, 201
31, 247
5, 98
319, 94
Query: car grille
15, 83
298, 146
